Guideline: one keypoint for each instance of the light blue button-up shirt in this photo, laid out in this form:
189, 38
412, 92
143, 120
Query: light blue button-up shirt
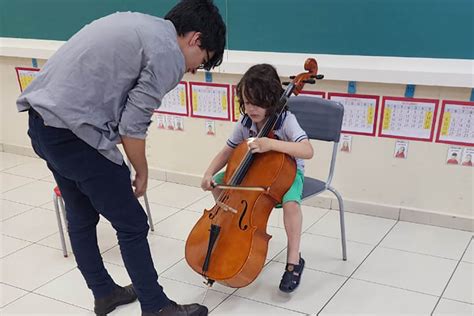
107, 80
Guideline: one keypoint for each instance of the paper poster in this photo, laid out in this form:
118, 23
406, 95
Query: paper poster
179, 123
169, 122
176, 101
467, 156
408, 118
401, 149
454, 155
456, 123
346, 143
25, 76
316, 94
210, 128
161, 121
235, 105
360, 112
210, 100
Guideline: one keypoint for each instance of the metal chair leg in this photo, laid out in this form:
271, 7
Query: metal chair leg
60, 224
148, 212
145, 197
341, 218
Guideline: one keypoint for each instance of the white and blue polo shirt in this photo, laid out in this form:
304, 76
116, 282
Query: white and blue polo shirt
286, 129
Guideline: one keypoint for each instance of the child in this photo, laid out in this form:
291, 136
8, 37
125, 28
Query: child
259, 91
100, 89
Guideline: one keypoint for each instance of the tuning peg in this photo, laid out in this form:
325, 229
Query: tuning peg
319, 77
310, 81
285, 83
292, 77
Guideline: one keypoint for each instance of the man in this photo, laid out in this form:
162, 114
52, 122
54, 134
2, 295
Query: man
98, 90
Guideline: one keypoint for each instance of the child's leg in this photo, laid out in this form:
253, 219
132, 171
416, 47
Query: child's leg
293, 220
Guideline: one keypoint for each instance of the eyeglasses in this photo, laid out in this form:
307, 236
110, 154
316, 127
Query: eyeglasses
205, 65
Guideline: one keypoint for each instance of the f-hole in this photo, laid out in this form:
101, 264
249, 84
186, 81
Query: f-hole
242, 216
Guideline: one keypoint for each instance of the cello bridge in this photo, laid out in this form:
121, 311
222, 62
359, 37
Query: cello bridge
226, 207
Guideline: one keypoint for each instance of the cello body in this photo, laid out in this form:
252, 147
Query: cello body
241, 248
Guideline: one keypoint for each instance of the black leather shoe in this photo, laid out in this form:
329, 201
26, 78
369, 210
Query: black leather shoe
174, 309
120, 296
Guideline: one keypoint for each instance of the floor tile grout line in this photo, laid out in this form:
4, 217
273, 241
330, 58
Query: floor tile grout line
33, 290
451, 276
21, 213
61, 301
319, 219
394, 287
385, 247
23, 176
418, 253
266, 303
353, 272
32, 206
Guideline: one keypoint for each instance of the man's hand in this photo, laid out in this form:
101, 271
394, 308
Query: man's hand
140, 183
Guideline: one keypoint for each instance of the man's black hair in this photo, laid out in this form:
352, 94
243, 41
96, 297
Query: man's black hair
204, 17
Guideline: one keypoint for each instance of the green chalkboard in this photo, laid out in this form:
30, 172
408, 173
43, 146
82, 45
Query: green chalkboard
407, 28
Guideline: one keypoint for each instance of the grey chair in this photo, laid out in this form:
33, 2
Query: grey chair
61, 211
322, 120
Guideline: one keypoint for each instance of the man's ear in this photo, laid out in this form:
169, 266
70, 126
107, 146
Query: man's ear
195, 39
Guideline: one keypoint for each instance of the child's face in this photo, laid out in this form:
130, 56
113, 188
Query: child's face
256, 113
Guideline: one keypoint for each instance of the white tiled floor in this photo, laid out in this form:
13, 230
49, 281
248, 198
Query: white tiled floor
393, 267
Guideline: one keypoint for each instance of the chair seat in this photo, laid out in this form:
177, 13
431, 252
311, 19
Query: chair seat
312, 186
57, 191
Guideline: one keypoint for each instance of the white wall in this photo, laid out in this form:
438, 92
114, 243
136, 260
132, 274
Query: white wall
369, 178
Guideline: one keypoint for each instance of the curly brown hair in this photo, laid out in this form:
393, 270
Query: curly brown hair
261, 86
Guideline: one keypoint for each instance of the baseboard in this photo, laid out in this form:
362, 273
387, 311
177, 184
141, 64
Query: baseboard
19, 150
325, 200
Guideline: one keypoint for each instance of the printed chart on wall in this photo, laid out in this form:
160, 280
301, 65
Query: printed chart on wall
408, 118
25, 76
456, 123
235, 105
360, 112
210, 100
316, 94
176, 101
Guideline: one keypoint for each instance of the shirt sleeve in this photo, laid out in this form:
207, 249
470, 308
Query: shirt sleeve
292, 129
237, 135
160, 74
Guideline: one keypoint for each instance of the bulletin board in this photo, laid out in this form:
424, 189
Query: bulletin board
25, 76
408, 118
456, 123
210, 100
175, 102
360, 112
235, 105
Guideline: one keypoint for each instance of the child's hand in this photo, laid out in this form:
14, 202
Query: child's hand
259, 145
207, 183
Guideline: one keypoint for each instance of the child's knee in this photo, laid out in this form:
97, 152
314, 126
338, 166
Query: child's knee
291, 206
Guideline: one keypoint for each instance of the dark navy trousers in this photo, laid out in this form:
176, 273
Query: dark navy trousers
91, 185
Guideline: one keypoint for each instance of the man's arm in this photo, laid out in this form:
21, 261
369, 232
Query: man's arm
135, 150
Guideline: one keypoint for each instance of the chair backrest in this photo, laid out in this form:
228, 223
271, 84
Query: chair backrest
321, 119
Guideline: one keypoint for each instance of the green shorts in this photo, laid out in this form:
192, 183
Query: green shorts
292, 195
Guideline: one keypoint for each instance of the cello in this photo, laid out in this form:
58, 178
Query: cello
229, 242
